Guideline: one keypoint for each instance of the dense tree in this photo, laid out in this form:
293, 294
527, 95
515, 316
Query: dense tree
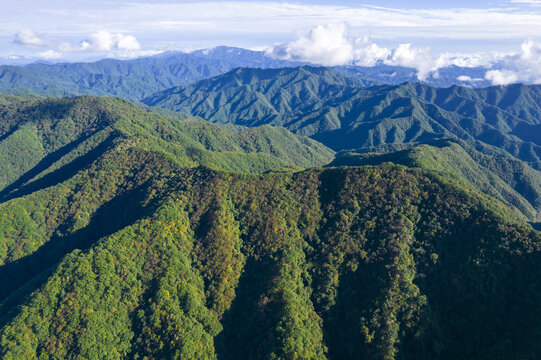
139, 253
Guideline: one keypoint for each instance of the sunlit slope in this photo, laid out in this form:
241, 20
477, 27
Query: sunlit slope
59, 136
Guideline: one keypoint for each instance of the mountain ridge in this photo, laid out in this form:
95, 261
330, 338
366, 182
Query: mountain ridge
47, 134
355, 117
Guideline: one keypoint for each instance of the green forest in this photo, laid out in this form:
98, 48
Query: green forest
130, 235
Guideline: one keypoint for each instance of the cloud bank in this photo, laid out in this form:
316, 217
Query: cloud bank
330, 45
528, 2
325, 45
522, 67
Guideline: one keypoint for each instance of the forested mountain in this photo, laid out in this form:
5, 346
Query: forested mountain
116, 245
495, 130
330, 108
504, 178
47, 140
259, 96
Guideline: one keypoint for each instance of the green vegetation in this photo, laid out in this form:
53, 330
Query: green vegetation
192, 263
494, 131
126, 235
6, 99
336, 111
260, 96
52, 138
506, 179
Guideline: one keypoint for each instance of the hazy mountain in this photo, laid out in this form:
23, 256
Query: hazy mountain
130, 79
393, 75
139, 78
116, 243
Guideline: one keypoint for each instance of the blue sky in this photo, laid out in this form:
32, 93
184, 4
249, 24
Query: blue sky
401, 32
458, 25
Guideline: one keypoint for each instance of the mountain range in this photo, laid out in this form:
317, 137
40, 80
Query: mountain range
139, 78
131, 79
227, 205
335, 110
497, 126
123, 237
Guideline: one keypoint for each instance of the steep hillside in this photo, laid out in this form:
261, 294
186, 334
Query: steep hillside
258, 96
47, 140
137, 257
255, 96
115, 244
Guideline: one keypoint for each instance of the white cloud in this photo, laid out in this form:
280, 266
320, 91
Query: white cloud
501, 77
65, 47
370, 54
50, 55
419, 59
255, 23
27, 37
116, 45
529, 2
106, 41
522, 67
325, 45
129, 43
465, 78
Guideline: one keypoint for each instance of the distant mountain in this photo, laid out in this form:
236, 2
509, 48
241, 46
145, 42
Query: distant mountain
139, 78
129, 79
258, 96
340, 113
393, 75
